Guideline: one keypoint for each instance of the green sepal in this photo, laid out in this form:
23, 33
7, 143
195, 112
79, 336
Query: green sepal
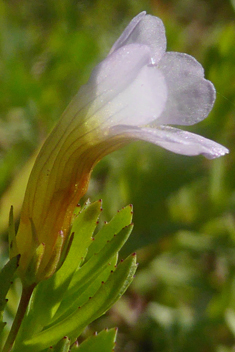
6, 278
49, 293
34, 265
103, 342
53, 263
104, 298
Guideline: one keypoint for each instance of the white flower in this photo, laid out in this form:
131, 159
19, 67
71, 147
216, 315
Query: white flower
140, 88
133, 94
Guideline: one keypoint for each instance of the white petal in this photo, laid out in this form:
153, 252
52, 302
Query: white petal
145, 29
190, 96
108, 79
175, 140
127, 31
125, 90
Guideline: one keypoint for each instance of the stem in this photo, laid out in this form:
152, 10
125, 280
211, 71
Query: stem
24, 301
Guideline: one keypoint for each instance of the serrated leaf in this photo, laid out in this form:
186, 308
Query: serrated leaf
105, 297
48, 294
103, 342
6, 277
63, 345
75, 346
99, 259
122, 219
83, 278
69, 305
83, 228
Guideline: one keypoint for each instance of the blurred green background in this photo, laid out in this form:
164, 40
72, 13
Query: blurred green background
183, 296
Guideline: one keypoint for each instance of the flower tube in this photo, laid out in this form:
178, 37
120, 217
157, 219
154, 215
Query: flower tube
133, 94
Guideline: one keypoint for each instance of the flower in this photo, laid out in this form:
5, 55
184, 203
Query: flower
133, 94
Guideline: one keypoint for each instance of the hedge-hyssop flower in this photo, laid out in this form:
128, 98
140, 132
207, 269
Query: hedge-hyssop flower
133, 94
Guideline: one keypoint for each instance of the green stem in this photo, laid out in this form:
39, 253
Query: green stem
24, 301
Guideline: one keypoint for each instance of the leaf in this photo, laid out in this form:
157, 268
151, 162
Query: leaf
103, 342
86, 281
83, 228
70, 304
6, 277
84, 277
62, 346
122, 219
49, 293
99, 259
75, 346
104, 298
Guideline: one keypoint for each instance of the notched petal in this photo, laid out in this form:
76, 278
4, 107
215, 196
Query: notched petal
190, 95
148, 30
127, 32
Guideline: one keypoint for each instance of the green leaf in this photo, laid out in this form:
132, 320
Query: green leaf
80, 283
83, 228
62, 346
122, 219
6, 277
70, 304
84, 277
96, 263
75, 346
103, 342
104, 298
49, 293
